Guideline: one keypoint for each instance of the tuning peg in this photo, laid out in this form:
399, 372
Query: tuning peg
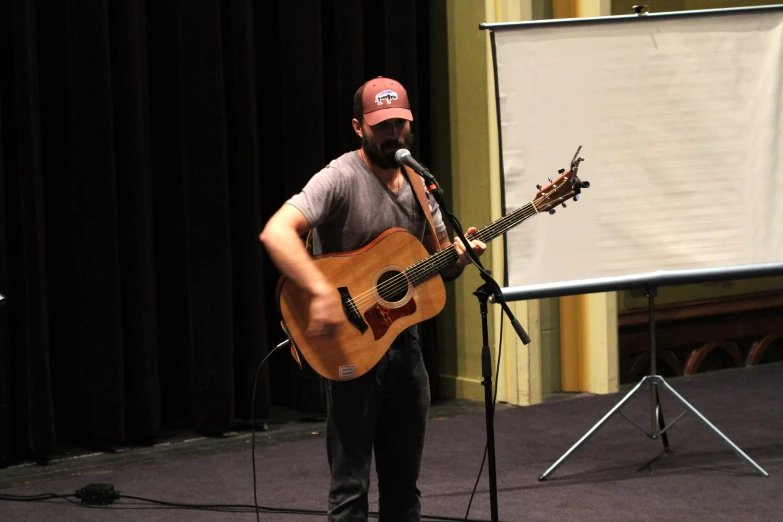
551, 211
560, 171
576, 198
564, 205
551, 179
539, 187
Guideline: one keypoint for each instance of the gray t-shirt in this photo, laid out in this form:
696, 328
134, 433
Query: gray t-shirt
348, 206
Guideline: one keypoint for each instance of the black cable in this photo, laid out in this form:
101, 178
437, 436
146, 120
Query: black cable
253, 422
40, 497
481, 269
230, 508
223, 507
161, 504
371, 514
494, 401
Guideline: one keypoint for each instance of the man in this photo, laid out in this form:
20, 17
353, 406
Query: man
347, 204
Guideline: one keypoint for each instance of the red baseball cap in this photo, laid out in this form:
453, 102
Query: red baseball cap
381, 99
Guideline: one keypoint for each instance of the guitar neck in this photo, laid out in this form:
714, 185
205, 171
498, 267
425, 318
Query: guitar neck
428, 267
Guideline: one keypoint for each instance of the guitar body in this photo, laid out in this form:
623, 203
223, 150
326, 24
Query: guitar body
391, 284
379, 302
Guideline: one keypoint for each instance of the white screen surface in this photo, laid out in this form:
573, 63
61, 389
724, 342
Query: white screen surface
681, 123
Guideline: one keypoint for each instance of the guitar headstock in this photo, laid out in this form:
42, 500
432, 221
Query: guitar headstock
566, 186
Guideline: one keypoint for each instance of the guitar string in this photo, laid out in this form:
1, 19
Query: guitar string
427, 267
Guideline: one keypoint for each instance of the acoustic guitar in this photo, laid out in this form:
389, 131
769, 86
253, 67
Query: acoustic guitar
390, 284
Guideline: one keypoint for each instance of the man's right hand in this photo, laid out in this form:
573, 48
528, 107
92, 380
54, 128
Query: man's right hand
282, 238
326, 314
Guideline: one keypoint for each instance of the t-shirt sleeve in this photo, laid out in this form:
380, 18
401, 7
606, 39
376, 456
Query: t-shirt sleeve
320, 197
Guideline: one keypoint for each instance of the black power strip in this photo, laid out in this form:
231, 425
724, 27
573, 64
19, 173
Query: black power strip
98, 494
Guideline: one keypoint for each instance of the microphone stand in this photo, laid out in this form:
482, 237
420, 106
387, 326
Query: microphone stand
489, 288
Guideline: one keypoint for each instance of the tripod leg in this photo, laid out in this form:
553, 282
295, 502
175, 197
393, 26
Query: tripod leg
661, 423
711, 426
591, 432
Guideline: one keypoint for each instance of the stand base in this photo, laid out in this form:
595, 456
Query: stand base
658, 428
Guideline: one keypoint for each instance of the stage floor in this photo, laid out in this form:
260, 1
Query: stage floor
620, 473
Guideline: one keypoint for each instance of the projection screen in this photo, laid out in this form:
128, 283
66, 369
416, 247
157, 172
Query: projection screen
680, 116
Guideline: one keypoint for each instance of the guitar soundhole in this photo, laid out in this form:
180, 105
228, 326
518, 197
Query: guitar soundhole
392, 286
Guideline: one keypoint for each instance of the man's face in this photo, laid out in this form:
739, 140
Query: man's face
380, 142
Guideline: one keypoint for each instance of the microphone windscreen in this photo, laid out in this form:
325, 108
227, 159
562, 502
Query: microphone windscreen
401, 155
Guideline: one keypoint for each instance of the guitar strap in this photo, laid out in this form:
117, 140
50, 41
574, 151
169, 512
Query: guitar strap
431, 238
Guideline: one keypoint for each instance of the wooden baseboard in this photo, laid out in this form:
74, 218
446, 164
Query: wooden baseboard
702, 335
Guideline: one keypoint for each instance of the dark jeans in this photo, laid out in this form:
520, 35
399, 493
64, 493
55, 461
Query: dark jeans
385, 410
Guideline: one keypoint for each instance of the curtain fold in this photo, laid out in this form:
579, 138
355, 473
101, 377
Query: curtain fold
302, 131
245, 149
136, 219
207, 252
143, 145
32, 427
91, 226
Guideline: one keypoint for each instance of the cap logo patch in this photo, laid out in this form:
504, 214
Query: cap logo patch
387, 95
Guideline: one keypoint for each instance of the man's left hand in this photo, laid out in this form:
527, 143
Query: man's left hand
476, 245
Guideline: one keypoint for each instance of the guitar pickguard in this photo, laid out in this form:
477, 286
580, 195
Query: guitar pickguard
350, 310
381, 318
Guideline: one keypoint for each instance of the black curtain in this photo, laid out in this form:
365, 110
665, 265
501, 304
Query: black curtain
143, 144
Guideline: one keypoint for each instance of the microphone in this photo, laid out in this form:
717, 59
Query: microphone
403, 157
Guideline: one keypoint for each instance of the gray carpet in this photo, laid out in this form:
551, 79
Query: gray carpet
618, 474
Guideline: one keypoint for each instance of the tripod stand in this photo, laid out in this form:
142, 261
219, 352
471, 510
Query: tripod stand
658, 427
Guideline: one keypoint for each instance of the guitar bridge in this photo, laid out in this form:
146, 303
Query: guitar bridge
351, 311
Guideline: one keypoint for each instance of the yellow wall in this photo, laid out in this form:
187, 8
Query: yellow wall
468, 189
467, 148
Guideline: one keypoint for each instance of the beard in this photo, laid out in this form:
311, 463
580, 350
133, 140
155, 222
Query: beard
383, 155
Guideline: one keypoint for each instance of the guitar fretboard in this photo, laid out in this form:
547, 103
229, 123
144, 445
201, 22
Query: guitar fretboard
428, 267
